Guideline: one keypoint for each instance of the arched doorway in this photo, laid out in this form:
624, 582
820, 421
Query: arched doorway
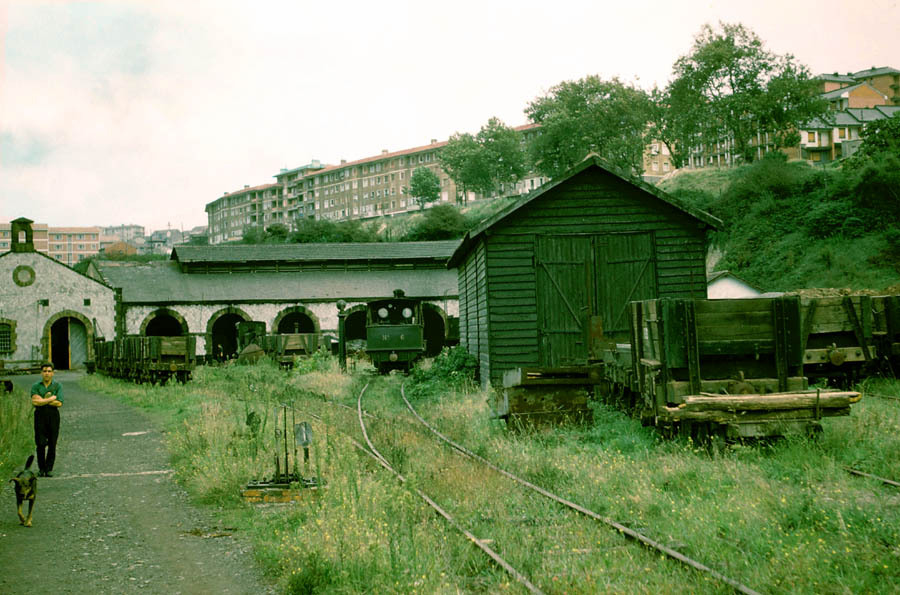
355, 324
434, 331
163, 323
296, 319
68, 344
224, 335
296, 322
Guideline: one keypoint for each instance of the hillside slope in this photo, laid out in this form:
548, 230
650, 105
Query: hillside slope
790, 226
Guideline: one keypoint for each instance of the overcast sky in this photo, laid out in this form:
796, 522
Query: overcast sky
143, 111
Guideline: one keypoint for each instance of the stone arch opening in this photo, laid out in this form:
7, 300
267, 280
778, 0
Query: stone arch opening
164, 323
355, 323
68, 340
434, 330
222, 334
296, 319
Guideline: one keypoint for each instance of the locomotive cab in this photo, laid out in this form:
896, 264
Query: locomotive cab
394, 333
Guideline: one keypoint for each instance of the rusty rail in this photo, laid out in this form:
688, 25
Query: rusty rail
373, 452
640, 537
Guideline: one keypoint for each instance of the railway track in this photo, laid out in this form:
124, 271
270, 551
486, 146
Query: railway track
481, 544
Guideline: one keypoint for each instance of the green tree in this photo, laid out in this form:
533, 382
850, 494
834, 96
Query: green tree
463, 160
880, 137
729, 87
486, 161
590, 115
277, 233
424, 186
501, 149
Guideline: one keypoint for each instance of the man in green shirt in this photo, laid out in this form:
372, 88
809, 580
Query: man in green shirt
47, 398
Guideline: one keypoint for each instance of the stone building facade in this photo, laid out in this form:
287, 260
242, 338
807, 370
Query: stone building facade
205, 291
48, 311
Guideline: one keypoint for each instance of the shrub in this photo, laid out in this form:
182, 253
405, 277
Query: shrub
453, 368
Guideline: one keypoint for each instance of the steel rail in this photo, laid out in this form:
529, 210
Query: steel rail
373, 452
672, 553
869, 475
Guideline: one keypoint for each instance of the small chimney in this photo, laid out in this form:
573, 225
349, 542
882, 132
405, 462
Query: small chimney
433, 141
343, 161
384, 151
246, 186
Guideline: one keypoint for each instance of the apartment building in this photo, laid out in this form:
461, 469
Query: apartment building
69, 245
885, 79
39, 230
369, 187
855, 96
838, 134
248, 207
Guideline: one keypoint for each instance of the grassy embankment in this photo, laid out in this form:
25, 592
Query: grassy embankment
780, 516
16, 432
791, 226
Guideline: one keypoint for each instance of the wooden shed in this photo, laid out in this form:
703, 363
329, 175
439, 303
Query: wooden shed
545, 282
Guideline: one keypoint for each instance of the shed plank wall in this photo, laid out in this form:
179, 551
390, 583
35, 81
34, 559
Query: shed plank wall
592, 203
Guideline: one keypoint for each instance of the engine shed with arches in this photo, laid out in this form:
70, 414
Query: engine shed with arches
205, 291
546, 282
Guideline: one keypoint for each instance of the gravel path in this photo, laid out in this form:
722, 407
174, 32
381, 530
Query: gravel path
112, 519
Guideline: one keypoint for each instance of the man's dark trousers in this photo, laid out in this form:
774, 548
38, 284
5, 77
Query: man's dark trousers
46, 431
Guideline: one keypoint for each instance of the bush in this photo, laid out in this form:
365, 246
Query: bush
453, 368
440, 222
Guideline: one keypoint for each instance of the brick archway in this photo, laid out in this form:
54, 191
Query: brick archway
296, 310
88, 329
164, 311
215, 317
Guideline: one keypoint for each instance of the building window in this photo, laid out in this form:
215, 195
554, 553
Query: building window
842, 133
810, 137
6, 337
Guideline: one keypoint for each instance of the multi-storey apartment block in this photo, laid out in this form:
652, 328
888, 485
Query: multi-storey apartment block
68, 245
39, 231
249, 207
360, 189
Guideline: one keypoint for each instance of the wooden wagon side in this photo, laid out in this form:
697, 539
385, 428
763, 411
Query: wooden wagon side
724, 366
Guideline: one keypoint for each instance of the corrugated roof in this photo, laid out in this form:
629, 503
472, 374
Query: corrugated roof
590, 161
374, 251
163, 283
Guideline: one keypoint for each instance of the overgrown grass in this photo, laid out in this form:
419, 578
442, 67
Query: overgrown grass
16, 431
778, 516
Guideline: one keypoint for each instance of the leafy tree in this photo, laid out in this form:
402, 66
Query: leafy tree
463, 160
424, 186
586, 116
501, 148
881, 137
441, 222
733, 88
482, 163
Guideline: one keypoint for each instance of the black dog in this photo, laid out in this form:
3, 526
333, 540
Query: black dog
26, 489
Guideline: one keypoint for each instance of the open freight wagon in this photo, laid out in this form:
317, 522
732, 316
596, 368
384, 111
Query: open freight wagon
730, 367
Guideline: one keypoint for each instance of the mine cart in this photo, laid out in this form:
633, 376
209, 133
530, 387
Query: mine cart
732, 367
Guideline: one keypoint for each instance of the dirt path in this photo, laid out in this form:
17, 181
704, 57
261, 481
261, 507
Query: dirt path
112, 519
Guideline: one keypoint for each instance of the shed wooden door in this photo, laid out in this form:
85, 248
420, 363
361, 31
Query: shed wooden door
564, 288
626, 273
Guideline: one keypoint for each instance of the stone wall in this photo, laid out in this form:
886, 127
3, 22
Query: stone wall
36, 291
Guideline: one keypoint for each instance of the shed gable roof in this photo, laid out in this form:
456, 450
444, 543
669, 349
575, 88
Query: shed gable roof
590, 162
